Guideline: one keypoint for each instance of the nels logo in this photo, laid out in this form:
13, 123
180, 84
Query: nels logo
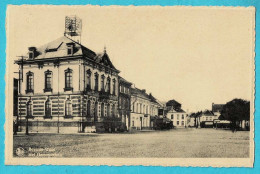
19, 151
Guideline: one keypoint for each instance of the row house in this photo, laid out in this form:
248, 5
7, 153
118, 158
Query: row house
66, 87
143, 108
124, 102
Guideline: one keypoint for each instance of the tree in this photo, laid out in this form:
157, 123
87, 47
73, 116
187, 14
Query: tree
236, 111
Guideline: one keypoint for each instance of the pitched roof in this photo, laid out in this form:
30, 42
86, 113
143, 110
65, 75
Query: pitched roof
177, 110
208, 113
121, 79
58, 48
172, 102
154, 100
140, 93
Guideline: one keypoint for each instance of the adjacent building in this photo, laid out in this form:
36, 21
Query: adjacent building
144, 108
140, 109
124, 102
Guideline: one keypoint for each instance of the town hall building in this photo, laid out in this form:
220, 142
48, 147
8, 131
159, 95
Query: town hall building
66, 87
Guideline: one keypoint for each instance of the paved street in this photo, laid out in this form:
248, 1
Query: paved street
176, 143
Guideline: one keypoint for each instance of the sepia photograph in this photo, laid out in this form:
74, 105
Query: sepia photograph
128, 85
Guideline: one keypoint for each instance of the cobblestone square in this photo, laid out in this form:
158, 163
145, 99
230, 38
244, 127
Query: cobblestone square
176, 143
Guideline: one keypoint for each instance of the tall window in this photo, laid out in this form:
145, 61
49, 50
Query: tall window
114, 87
47, 108
68, 79
88, 79
108, 85
68, 108
48, 81
29, 109
102, 83
88, 108
126, 104
29, 82
182, 117
113, 111
108, 110
102, 110
96, 81
172, 116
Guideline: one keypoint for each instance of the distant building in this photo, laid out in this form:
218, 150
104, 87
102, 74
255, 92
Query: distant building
191, 120
124, 102
178, 117
205, 119
216, 109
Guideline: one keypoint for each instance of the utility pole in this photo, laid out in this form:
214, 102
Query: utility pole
20, 79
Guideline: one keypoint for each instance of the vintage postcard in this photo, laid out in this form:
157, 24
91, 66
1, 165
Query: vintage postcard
128, 85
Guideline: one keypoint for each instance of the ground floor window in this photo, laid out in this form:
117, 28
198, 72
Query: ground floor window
178, 123
29, 109
68, 108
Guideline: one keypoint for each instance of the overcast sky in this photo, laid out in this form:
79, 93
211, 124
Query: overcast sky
193, 55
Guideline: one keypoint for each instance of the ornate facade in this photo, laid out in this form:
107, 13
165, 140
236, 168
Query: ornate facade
66, 87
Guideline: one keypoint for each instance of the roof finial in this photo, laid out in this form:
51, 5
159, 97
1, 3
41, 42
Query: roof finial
105, 49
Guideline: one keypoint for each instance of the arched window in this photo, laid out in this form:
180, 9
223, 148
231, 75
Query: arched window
48, 108
96, 81
102, 83
29, 109
68, 108
68, 80
29, 85
114, 87
48, 81
88, 80
108, 85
